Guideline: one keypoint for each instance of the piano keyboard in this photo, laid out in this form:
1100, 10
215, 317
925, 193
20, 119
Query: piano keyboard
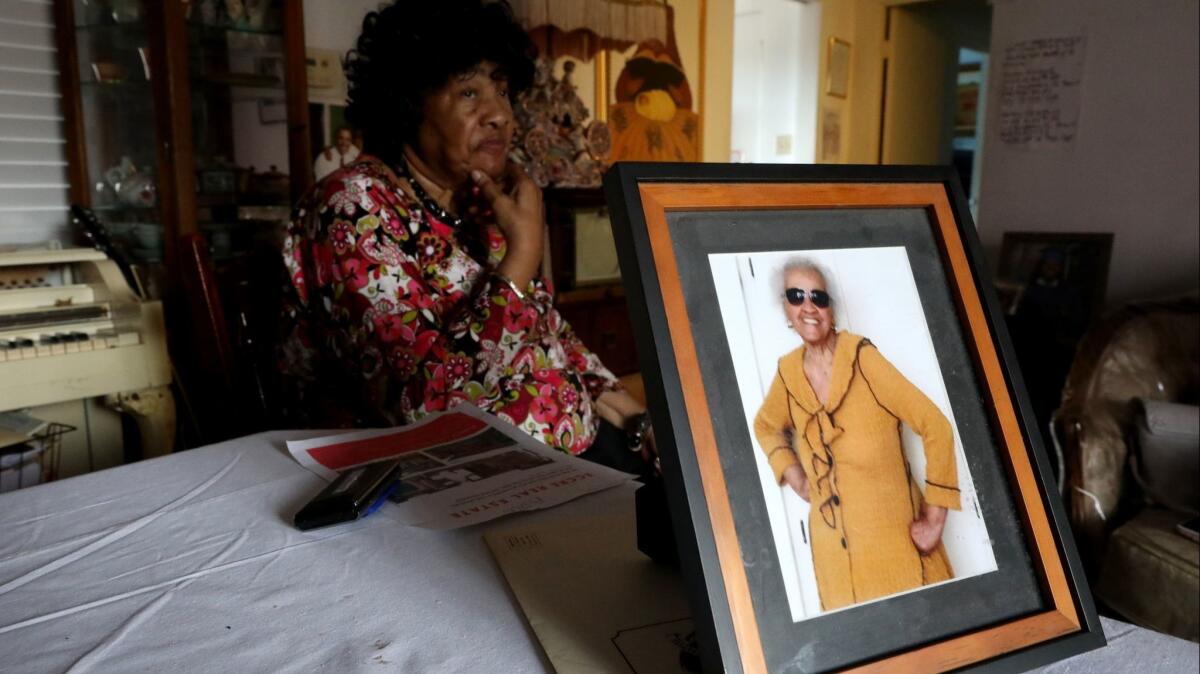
71, 328
62, 343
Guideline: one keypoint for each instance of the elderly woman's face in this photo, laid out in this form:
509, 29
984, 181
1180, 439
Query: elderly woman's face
814, 324
467, 125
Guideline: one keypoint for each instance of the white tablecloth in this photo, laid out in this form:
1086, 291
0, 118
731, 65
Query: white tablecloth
189, 563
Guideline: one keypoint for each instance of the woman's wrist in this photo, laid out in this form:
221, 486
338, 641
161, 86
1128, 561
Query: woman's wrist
519, 291
637, 430
520, 267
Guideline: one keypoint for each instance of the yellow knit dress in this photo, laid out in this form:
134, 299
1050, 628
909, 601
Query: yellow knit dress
861, 489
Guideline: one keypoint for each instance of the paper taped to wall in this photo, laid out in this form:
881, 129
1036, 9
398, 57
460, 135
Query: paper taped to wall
1040, 82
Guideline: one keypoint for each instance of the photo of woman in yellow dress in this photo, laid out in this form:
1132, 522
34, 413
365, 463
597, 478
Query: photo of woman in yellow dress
830, 428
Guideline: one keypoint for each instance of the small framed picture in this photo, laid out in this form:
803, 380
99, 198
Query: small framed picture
1071, 267
837, 68
851, 464
272, 111
580, 239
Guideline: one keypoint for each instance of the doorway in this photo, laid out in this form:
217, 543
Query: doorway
935, 74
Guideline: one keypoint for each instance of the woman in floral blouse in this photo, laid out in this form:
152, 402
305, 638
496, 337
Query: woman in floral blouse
414, 271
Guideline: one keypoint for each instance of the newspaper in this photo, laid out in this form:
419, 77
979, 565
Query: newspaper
461, 467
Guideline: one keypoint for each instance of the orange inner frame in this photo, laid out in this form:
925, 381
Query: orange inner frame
657, 200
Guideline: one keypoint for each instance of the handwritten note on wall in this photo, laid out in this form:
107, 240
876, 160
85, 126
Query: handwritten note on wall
1039, 92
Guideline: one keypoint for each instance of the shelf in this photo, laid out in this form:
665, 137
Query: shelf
240, 81
209, 35
215, 30
116, 86
130, 27
192, 26
237, 41
274, 92
124, 208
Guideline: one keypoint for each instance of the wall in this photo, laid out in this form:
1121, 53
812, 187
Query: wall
1134, 167
33, 165
335, 25
777, 48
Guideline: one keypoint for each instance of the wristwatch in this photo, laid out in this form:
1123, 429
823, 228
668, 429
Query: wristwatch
637, 428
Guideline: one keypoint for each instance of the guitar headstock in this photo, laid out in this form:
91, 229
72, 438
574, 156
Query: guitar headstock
94, 231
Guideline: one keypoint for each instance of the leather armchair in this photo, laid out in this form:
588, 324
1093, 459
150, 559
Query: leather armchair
1140, 566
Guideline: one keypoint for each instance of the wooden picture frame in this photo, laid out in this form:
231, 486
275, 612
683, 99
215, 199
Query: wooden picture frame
675, 228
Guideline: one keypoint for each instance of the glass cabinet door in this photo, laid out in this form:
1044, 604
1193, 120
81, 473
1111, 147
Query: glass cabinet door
117, 107
236, 66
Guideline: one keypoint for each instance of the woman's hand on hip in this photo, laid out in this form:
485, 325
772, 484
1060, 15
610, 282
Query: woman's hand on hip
795, 478
520, 217
926, 531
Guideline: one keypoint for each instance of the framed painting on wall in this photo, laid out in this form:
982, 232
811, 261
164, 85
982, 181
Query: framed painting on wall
837, 68
851, 467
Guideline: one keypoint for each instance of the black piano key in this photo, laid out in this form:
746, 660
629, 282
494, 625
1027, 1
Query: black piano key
79, 336
23, 342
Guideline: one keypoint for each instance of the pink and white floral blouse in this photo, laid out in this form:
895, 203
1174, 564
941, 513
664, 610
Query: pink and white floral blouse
389, 315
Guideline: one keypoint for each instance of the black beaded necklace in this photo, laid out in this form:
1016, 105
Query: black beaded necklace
428, 202
469, 239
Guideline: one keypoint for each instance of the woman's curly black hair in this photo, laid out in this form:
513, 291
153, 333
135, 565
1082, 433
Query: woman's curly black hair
412, 48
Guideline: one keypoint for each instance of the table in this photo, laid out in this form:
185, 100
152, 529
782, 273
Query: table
189, 562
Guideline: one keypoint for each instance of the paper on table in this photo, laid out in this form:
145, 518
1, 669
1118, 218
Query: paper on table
461, 467
17, 427
596, 603
9, 438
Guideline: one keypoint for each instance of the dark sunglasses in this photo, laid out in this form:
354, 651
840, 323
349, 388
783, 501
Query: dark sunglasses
795, 297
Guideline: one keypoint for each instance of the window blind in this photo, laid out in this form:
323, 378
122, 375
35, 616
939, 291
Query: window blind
33, 165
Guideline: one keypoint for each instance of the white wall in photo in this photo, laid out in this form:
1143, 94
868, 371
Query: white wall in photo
875, 295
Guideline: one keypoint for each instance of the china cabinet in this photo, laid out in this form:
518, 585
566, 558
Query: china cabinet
185, 118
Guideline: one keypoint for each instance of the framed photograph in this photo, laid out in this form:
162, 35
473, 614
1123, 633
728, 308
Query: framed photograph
1074, 262
852, 470
831, 135
580, 238
837, 68
271, 111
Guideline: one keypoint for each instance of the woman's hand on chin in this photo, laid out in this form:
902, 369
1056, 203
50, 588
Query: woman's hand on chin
926, 531
520, 217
